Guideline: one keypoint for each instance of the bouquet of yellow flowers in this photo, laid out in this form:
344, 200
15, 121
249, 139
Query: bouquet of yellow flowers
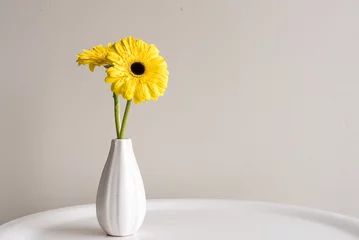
135, 71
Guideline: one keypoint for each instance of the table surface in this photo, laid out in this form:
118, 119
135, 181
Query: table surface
179, 219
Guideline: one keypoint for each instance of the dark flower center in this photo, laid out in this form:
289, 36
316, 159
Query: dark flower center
138, 68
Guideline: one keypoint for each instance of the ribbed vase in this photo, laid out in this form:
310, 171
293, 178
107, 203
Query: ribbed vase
121, 199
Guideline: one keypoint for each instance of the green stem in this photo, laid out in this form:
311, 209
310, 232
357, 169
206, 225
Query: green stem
117, 115
125, 117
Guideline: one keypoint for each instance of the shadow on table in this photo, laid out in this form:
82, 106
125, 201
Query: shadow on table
77, 231
89, 232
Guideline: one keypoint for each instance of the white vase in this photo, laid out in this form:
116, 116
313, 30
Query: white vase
121, 199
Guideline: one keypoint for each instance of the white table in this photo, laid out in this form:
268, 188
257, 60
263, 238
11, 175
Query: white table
192, 220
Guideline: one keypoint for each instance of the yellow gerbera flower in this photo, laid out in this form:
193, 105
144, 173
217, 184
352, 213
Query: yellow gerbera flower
139, 73
94, 57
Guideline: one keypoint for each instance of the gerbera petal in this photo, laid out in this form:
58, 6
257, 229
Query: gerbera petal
92, 67
115, 87
138, 97
152, 50
145, 91
117, 47
161, 83
114, 57
153, 89
141, 45
161, 74
126, 45
127, 89
111, 79
113, 71
158, 60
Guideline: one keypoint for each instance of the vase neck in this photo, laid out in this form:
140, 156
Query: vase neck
121, 143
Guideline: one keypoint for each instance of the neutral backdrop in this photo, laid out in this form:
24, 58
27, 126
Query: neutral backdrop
262, 102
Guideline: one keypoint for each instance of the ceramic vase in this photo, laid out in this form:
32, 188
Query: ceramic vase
121, 199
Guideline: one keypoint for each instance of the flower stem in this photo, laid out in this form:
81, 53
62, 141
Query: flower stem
117, 115
125, 117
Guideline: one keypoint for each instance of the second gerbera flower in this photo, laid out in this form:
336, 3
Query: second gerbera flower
138, 71
94, 57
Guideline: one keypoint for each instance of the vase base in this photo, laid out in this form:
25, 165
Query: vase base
128, 235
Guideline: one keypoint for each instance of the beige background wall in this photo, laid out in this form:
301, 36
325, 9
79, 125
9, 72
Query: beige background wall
262, 104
